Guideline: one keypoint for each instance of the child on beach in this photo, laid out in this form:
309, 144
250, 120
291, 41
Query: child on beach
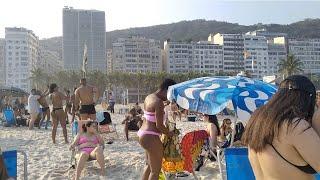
90, 145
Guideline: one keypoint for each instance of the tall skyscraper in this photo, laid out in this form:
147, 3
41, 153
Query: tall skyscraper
2, 63
22, 55
82, 27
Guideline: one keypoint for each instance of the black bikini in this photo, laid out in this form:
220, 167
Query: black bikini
306, 169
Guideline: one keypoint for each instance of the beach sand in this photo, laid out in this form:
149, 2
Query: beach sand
124, 160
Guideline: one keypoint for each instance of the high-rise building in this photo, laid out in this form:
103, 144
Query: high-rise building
82, 27
22, 55
256, 56
308, 52
233, 51
136, 54
2, 63
109, 60
202, 56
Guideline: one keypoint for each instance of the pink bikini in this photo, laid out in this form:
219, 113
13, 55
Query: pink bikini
151, 117
83, 140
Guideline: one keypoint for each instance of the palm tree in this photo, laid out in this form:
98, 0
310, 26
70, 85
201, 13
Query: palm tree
290, 66
38, 77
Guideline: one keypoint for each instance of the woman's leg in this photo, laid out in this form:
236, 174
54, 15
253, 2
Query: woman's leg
82, 160
97, 153
154, 148
147, 170
54, 127
62, 120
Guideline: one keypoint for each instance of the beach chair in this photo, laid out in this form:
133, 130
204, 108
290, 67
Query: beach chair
8, 116
10, 161
105, 125
238, 166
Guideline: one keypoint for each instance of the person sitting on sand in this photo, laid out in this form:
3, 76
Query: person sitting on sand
152, 128
90, 145
57, 113
282, 143
132, 122
211, 143
138, 108
226, 129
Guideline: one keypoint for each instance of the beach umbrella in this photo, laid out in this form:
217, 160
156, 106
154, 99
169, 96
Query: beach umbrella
210, 95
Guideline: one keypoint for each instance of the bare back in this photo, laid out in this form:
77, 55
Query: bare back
57, 99
43, 102
298, 145
85, 94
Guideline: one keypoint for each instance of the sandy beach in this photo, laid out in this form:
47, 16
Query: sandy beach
124, 160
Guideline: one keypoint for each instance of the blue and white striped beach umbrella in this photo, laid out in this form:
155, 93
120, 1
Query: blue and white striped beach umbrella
210, 95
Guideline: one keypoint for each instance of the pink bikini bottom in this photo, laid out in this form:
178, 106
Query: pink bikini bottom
87, 150
143, 132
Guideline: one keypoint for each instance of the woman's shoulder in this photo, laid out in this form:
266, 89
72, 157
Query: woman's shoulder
298, 125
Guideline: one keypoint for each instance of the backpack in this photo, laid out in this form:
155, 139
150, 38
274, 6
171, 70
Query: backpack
239, 131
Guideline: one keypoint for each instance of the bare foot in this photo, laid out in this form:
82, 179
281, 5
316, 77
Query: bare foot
54, 141
103, 172
66, 142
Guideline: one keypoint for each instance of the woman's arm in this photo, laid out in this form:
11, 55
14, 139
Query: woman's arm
75, 142
316, 121
159, 110
307, 142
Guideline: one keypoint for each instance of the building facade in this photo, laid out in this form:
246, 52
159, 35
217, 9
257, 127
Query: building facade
203, 57
308, 52
233, 50
277, 50
136, 54
109, 60
2, 63
256, 59
22, 55
82, 27
50, 62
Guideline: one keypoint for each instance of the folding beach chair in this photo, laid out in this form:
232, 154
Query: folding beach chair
238, 166
10, 161
8, 116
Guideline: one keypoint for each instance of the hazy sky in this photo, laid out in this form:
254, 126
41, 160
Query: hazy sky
44, 17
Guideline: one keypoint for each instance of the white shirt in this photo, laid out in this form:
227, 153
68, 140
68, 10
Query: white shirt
33, 104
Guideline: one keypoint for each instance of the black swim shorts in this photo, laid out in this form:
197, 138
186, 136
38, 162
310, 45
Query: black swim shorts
87, 109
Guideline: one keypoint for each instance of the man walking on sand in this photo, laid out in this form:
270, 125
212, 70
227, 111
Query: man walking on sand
84, 99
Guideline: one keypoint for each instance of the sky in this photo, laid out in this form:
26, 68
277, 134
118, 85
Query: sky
44, 17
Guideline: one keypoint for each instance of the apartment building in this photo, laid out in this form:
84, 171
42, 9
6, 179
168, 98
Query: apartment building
233, 51
136, 54
202, 56
22, 55
308, 52
277, 50
50, 62
2, 63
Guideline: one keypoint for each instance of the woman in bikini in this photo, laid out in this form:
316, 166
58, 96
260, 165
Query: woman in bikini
282, 143
57, 113
90, 144
152, 128
226, 129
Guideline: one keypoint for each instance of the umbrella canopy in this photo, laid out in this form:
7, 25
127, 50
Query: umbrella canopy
210, 95
4, 91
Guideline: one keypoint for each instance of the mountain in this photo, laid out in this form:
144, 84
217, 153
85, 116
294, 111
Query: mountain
196, 30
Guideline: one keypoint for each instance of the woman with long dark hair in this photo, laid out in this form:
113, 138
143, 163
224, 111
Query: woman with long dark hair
282, 143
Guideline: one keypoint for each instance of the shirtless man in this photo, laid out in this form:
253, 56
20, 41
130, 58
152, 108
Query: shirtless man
57, 113
152, 128
84, 97
45, 110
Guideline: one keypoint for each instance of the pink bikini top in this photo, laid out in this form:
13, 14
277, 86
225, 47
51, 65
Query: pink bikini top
84, 139
151, 116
